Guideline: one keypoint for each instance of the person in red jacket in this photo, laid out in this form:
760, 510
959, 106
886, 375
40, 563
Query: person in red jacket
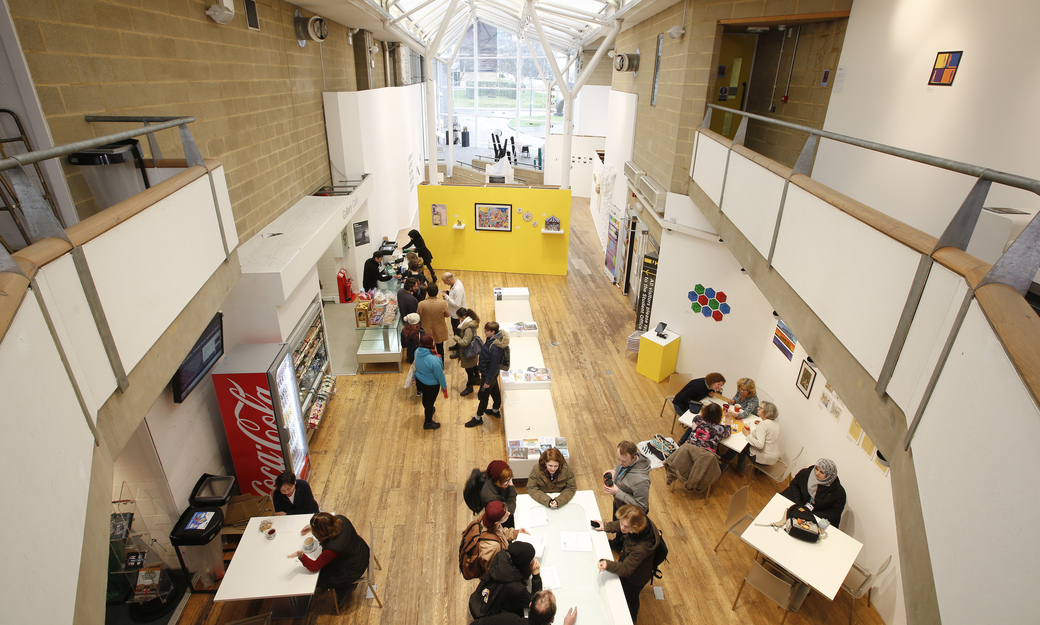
344, 554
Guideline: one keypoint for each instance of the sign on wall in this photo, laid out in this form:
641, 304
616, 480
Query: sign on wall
612, 240
647, 282
361, 233
784, 339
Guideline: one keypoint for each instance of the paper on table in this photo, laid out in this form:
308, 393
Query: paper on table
536, 517
537, 541
575, 541
550, 578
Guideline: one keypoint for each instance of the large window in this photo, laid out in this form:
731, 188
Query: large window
497, 88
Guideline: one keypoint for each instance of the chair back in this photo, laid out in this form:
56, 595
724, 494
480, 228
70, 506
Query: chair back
737, 506
791, 465
779, 589
848, 521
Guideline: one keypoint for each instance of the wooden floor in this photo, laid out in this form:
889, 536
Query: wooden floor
373, 462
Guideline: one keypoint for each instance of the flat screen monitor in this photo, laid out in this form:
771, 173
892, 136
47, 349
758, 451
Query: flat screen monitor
206, 352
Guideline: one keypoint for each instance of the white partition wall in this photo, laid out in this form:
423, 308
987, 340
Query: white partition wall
708, 168
752, 199
620, 141
965, 451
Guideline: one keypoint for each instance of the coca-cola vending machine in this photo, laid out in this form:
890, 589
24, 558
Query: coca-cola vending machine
260, 405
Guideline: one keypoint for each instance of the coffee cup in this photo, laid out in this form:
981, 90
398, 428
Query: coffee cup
270, 534
308, 543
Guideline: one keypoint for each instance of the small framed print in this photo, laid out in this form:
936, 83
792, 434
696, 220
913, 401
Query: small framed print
494, 217
945, 68
806, 377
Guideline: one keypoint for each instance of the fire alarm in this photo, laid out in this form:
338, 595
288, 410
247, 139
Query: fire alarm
783, 98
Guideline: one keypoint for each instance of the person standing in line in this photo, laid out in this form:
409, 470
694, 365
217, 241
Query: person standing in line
499, 487
468, 324
635, 566
374, 272
429, 378
415, 270
492, 351
432, 312
417, 243
407, 302
292, 496
455, 296
410, 336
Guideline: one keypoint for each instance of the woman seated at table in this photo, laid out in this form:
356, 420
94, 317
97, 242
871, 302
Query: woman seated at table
764, 442
635, 566
499, 487
697, 390
495, 537
818, 488
552, 475
504, 588
292, 496
344, 554
707, 429
746, 397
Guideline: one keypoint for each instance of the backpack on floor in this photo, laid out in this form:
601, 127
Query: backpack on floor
471, 491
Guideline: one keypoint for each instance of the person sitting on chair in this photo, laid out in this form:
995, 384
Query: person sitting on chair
635, 566
542, 611
697, 390
292, 496
344, 554
819, 489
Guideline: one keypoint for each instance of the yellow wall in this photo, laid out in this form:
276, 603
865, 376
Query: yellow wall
524, 250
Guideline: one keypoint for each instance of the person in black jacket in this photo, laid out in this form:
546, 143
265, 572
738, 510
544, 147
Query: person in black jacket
292, 496
635, 566
697, 390
417, 243
491, 354
344, 554
542, 612
374, 272
818, 488
499, 487
407, 300
504, 588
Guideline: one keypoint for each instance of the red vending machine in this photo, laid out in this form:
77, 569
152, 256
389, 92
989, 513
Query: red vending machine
260, 405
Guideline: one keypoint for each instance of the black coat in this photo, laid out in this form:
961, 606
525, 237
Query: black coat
304, 500
513, 595
830, 500
351, 558
406, 303
374, 273
419, 245
695, 390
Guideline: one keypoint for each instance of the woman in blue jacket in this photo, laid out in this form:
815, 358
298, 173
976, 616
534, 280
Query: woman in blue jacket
429, 378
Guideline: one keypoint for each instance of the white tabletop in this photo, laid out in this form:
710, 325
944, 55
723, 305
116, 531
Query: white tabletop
736, 441
524, 352
822, 565
597, 594
513, 310
261, 568
669, 336
511, 293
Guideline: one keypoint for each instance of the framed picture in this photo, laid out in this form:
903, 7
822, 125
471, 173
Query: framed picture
439, 214
494, 217
806, 377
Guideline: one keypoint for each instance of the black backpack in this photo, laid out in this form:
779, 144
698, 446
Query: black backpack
486, 599
504, 363
471, 491
660, 555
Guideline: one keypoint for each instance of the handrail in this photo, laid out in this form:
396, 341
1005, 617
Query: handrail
975, 171
161, 123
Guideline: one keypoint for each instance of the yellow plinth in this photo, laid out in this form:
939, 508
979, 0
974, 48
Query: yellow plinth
657, 356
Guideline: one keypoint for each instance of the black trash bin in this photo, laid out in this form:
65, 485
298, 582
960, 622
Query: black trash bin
194, 532
212, 490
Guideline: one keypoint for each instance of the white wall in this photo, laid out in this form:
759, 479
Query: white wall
591, 117
987, 117
583, 154
621, 135
138, 466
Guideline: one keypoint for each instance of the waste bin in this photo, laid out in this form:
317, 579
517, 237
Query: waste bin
212, 490
113, 172
193, 537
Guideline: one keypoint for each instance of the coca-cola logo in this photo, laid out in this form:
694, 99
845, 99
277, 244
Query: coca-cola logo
255, 418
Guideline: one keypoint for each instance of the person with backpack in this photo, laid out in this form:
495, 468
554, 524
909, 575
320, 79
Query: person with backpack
636, 564
542, 611
469, 324
483, 538
499, 487
504, 588
494, 356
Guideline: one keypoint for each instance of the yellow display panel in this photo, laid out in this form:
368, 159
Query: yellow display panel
517, 247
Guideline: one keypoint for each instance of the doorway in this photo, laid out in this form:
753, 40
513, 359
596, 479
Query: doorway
732, 79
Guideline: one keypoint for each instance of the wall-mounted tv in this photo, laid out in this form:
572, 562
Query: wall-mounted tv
206, 352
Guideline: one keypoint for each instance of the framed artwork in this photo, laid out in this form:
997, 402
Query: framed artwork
439, 214
945, 68
494, 217
806, 377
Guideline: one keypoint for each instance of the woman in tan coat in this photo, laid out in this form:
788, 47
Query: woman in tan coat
552, 475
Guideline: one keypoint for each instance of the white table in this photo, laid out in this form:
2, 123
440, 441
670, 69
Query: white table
261, 568
822, 565
597, 594
513, 310
736, 441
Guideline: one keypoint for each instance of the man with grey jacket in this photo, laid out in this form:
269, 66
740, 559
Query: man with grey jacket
629, 482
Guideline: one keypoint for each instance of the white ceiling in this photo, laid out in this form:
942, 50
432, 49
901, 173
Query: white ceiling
568, 24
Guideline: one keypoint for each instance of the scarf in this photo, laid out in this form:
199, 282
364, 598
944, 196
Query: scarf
830, 472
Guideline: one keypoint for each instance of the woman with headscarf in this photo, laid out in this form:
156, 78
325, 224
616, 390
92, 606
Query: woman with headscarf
818, 488
417, 243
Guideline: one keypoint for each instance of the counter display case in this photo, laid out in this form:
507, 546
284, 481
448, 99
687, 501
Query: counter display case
380, 343
310, 354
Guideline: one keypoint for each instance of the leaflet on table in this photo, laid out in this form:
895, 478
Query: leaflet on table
531, 374
538, 542
550, 577
522, 327
533, 447
575, 541
537, 517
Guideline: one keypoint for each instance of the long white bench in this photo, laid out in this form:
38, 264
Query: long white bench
528, 411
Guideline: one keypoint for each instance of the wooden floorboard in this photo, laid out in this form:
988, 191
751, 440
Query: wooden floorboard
373, 462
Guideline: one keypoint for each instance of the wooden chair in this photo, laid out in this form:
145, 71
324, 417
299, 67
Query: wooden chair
860, 582
778, 471
368, 579
675, 384
739, 518
772, 583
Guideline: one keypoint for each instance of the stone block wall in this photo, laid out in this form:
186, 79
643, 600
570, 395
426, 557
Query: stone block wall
256, 96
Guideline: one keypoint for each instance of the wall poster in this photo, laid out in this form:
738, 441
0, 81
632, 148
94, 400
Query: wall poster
494, 217
361, 233
439, 214
645, 301
612, 242
784, 339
